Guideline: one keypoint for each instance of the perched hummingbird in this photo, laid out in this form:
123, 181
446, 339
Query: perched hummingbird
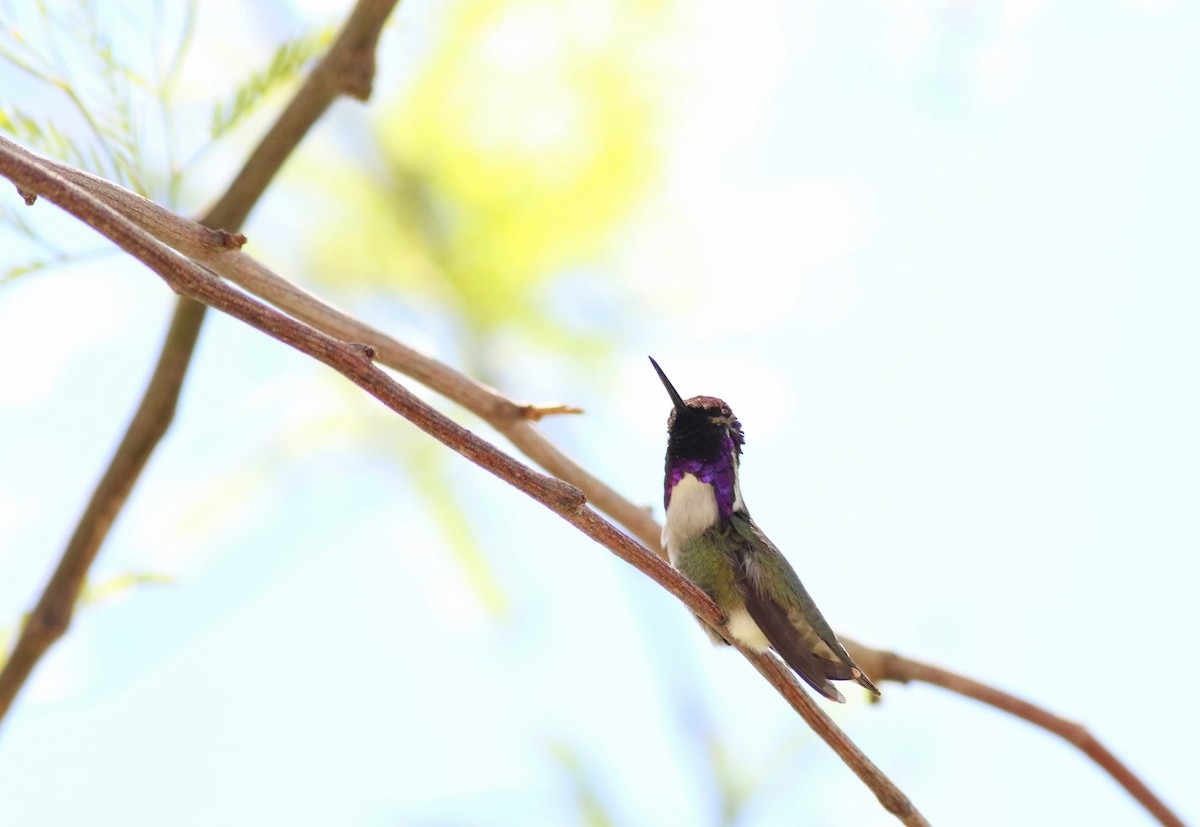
713, 542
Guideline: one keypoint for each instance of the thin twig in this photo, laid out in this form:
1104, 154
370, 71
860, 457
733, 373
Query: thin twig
348, 68
353, 362
883, 665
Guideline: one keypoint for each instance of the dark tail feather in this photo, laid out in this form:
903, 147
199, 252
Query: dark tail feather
865, 682
810, 669
838, 671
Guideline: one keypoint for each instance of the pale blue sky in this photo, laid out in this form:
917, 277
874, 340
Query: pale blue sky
941, 260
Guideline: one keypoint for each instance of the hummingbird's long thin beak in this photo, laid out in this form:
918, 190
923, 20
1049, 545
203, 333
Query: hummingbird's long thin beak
680, 405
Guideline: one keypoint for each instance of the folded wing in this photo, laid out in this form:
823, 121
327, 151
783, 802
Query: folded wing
778, 602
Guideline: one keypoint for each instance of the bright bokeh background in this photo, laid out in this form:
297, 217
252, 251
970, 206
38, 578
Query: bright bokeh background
939, 257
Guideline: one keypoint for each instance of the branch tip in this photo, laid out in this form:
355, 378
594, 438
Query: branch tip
534, 413
231, 241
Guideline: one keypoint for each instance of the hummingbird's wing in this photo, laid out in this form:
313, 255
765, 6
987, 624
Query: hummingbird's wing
783, 610
773, 620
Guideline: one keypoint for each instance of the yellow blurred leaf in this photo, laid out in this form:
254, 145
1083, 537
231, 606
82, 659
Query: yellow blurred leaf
522, 145
113, 587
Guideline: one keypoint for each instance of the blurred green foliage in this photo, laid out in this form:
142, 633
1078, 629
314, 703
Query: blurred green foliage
69, 49
348, 429
118, 585
593, 812
112, 147
285, 65
120, 118
524, 140
522, 145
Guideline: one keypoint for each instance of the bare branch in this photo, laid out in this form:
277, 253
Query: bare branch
892, 799
515, 420
353, 362
347, 69
888, 666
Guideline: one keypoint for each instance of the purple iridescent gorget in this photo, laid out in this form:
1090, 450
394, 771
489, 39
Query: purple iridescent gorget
719, 473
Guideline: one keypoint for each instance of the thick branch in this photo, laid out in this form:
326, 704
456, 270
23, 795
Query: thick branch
354, 362
347, 69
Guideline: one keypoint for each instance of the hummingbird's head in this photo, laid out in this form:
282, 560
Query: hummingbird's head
704, 428
704, 439
701, 427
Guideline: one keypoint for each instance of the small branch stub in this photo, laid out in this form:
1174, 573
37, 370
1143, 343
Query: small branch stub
567, 498
232, 241
367, 352
534, 413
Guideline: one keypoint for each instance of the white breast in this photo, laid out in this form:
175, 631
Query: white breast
692, 510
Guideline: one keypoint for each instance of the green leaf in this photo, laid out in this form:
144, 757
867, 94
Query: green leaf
7, 637
285, 66
118, 585
17, 270
43, 136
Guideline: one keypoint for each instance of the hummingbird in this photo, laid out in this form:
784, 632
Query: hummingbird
712, 540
